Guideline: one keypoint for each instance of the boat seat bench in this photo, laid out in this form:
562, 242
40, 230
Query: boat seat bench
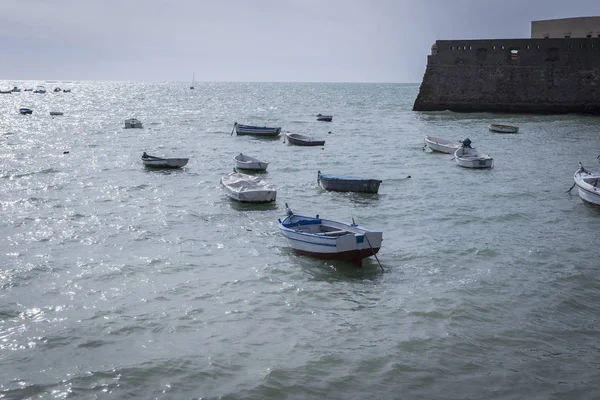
333, 233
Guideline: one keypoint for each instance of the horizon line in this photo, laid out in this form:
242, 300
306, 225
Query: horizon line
196, 82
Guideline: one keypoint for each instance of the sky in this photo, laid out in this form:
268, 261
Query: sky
252, 40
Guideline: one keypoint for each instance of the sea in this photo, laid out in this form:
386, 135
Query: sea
119, 282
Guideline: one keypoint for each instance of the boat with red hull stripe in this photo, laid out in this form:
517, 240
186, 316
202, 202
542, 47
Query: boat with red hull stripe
328, 239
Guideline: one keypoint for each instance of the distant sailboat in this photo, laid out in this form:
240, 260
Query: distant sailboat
193, 79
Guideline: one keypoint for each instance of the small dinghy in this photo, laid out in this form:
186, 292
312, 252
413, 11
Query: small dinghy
248, 189
245, 162
329, 240
301, 140
260, 131
25, 111
588, 186
158, 162
339, 183
326, 118
54, 113
499, 128
468, 157
133, 123
441, 145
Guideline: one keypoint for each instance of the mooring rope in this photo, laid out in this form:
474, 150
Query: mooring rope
373, 250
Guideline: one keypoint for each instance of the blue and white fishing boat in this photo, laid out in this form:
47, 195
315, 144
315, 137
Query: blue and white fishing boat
329, 240
339, 183
261, 131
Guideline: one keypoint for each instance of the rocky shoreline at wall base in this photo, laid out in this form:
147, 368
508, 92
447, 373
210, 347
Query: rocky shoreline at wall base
541, 109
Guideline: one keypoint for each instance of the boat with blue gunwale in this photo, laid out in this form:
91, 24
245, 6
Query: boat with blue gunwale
328, 239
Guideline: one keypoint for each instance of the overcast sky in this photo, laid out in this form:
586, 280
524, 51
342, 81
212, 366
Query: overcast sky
252, 40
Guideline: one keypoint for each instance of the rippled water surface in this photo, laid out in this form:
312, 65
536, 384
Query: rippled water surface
121, 282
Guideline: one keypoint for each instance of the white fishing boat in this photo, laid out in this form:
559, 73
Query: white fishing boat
158, 162
499, 128
330, 240
261, 131
247, 188
133, 123
469, 157
588, 185
243, 161
40, 89
441, 145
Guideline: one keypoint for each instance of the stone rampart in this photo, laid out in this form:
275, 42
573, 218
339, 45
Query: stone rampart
544, 76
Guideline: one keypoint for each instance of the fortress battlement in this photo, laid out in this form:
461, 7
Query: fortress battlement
540, 75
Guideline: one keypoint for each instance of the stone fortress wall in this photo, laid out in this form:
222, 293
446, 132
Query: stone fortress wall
545, 76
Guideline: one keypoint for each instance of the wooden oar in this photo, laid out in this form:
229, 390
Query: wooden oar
232, 129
